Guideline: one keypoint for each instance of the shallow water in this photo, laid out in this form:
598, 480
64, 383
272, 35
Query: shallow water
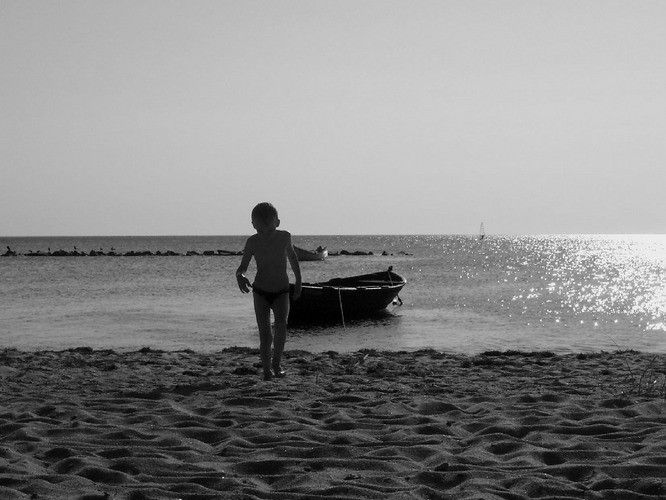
558, 293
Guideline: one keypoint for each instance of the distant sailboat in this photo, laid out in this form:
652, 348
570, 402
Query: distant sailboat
482, 232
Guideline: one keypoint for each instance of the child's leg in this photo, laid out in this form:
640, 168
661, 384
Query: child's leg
263, 313
281, 313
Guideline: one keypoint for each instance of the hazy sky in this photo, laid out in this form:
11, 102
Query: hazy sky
353, 117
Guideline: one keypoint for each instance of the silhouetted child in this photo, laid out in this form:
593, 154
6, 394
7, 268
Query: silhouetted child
271, 249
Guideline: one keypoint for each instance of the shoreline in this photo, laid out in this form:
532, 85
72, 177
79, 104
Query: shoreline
149, 424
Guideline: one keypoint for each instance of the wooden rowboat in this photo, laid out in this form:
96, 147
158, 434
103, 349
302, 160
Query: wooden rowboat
304, 255
342, 298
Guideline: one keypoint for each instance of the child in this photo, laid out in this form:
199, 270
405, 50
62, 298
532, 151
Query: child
271, 249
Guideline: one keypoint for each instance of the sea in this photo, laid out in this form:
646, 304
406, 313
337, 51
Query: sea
564, 294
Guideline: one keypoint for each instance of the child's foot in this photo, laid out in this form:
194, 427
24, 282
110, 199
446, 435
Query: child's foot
268, 376
279, 372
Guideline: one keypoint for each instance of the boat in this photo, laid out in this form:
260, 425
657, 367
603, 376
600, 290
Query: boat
304, 255
341, 298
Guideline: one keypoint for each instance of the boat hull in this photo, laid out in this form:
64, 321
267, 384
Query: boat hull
342, 298
310, 255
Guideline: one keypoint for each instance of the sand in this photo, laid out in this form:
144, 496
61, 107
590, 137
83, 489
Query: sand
84, 424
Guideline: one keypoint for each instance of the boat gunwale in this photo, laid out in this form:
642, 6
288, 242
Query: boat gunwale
349, 283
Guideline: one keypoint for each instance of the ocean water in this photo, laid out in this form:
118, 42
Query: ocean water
557, 293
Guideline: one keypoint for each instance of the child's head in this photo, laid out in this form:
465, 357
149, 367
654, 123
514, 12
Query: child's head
265, 217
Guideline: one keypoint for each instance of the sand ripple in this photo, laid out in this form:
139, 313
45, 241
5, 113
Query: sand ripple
83, 424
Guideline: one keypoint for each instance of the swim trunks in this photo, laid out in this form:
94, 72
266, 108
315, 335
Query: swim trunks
269, 297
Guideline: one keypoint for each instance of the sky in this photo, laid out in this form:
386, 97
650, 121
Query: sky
161, 117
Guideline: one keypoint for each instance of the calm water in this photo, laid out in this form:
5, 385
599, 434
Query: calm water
560, 293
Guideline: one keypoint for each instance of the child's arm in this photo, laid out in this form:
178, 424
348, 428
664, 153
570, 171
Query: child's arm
295, 267
244, 283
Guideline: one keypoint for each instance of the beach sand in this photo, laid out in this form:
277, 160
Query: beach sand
84, 424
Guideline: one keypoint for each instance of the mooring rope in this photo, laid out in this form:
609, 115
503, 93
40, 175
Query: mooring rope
342, 312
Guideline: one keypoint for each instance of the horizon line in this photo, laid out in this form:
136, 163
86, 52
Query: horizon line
323, 234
